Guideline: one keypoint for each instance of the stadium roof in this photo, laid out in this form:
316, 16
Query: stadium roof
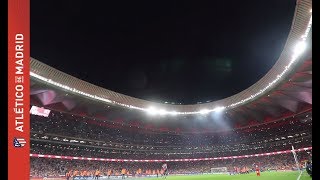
285, 90
174, 52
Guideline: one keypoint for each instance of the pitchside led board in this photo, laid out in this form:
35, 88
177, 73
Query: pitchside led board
39, 111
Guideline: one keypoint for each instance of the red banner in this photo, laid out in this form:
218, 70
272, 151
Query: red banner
18, 89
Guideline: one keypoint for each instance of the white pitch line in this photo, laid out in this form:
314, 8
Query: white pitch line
299, 176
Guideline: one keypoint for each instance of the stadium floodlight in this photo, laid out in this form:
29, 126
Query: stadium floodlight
173, 113
219, 108
299, 48
204, 111
152, 111
162, 112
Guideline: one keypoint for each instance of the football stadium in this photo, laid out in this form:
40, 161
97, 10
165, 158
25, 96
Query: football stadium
83, 131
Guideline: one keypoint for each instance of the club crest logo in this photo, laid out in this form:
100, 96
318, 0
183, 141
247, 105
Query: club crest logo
19, 142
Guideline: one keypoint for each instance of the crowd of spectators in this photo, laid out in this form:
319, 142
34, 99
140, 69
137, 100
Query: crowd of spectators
69, 135
100, 152
64, 134
86, 128
42, 167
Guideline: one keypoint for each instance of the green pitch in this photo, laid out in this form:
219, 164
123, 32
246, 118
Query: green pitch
252, 176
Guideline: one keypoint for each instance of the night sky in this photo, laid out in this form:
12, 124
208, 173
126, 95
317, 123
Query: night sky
176, 51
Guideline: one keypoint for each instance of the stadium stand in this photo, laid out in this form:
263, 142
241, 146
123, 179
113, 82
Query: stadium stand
64, 134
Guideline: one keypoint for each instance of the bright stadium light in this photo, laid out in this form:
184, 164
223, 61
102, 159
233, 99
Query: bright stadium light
204, 111
173, 113
152, 111
162, 112
219, 109
299, 48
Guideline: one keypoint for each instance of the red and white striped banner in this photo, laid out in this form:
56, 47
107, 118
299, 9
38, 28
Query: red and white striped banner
166, 160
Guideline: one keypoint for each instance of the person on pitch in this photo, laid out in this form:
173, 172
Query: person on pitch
97, 174
123, 173
257, 170
165, 170
309, 168
109, 173
68, 175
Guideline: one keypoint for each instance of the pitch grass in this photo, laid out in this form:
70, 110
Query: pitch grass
252, 176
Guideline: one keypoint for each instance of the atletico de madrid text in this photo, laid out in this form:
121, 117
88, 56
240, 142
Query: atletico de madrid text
19, 83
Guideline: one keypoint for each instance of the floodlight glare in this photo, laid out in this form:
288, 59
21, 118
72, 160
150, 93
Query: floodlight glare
204, 111
219, 109
162, 112
152, 111
173, 113
299, 48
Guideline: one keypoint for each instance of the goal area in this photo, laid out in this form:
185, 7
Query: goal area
219, 170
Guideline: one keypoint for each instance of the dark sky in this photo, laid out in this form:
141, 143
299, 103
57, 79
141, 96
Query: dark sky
176, 51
